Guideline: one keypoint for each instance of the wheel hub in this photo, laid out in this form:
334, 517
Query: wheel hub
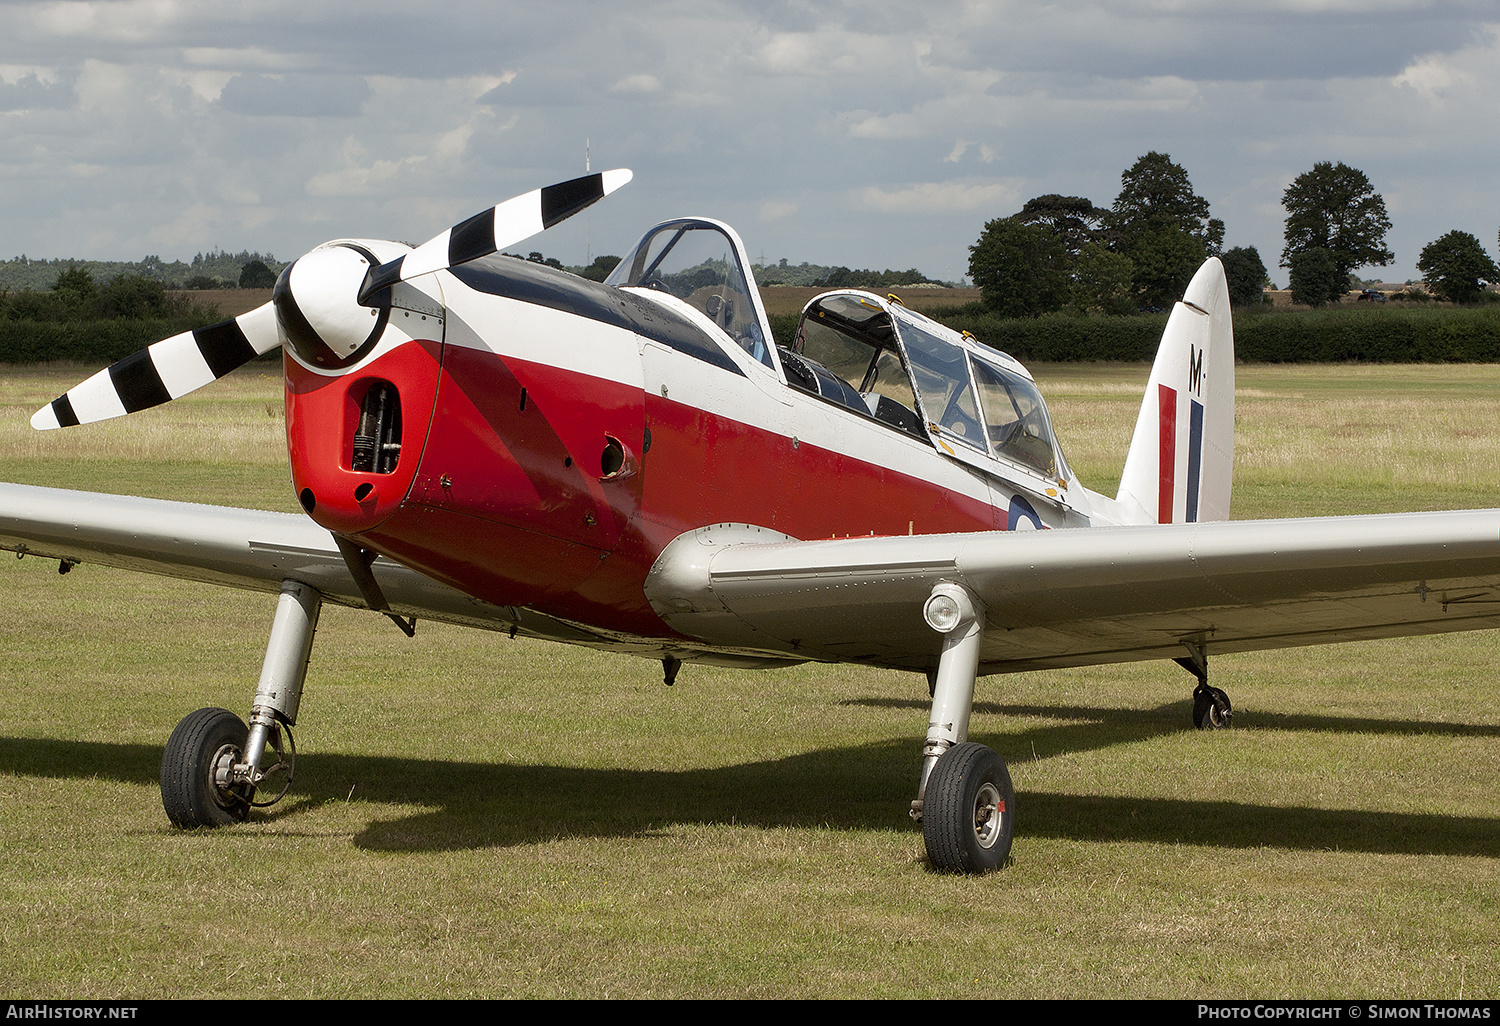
989, 812
222, 772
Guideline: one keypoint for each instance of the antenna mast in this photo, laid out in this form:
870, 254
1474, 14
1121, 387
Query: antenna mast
588, 228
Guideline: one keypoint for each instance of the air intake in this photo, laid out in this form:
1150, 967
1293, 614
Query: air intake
377, 442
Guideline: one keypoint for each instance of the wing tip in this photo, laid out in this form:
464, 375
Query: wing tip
45, 419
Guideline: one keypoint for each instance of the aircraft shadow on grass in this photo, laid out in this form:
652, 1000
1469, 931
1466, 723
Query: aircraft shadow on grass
478, 805
1102, 727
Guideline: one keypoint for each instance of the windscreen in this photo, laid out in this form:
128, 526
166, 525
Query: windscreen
1015, 418
697, 263
940, 371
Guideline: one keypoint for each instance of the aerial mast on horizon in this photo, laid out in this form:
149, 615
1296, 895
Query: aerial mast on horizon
588, 234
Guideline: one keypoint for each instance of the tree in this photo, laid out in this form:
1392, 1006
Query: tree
1072, 219
1165, 261
1335, 208
1103, 281
1162, 226
1456, 267
1155, 194
1246, 275
1020, 269
602, 265
134, 296
75, 283
256, 275
1316, 278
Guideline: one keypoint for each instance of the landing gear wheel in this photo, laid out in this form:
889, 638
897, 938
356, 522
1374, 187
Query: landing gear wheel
968, 811
194, 771
1211, 709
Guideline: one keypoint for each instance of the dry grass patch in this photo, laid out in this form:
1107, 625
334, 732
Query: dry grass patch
1397, 437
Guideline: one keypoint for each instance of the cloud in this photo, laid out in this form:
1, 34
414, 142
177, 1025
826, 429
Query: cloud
1203, 39
360, 181
963, 146
775, 210
31, 93
243, 58
637, 83
959, 197
125, 20
296, 121
303, 96
197, 221
1472, 70
791, 53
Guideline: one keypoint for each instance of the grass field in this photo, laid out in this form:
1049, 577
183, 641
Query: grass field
476, 816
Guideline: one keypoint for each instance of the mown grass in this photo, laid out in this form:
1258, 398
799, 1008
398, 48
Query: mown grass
476, 816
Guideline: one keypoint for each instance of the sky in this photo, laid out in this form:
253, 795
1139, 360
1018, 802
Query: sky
867, 134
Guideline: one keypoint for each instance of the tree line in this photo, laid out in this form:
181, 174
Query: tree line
1062, 252
76, 296
211, 270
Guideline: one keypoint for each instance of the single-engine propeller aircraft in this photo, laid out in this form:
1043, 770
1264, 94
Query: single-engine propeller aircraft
637, 465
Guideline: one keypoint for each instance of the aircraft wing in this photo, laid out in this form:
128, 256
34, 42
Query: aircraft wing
1089, 595
239, 548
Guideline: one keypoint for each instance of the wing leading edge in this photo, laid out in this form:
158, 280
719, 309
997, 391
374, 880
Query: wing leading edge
256, 550
237, 548
1088, 596
1052, 598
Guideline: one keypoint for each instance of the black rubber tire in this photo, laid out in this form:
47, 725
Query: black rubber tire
969, 811
188, 791
1211, 708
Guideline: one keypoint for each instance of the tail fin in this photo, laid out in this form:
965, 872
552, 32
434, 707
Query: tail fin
1181, 461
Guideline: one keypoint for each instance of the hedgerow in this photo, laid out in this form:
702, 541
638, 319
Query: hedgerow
87, 341
1381, 335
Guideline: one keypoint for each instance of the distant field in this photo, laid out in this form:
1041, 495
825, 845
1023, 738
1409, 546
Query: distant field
480, 817
229, 302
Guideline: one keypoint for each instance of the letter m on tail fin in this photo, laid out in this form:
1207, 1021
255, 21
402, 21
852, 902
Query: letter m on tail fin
1181, 461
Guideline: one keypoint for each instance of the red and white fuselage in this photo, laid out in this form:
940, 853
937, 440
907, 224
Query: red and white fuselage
552, 436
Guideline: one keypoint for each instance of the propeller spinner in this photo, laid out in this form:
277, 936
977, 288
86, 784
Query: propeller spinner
322, 306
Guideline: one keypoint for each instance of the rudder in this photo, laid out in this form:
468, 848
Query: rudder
1181, 462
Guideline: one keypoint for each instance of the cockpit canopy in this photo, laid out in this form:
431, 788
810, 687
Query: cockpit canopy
873, 357
701, 263
908, 371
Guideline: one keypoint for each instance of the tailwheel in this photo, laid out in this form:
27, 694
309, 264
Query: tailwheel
196, 768
1211, 709
968, 811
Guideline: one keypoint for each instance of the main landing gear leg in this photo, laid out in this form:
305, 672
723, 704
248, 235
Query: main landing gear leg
213, 764
1211, 708
965, 801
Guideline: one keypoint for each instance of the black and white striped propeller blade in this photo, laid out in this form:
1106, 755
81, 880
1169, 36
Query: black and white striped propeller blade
164, 370
491, 231
173, 367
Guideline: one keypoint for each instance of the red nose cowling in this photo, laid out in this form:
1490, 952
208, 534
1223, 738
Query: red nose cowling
355, 439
